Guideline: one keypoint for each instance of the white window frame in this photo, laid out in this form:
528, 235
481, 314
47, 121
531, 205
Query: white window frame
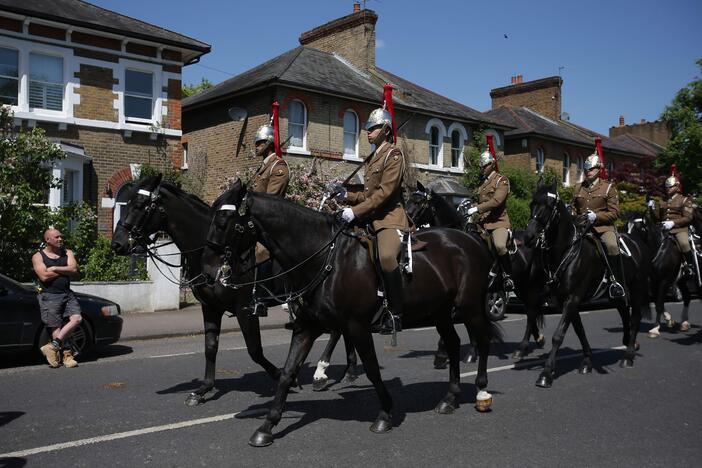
64, 68
185, 156
304, 126
139, 120
540, 160
497, 139
455, 126
566, 169
439, 125
18, 78
580, 172
73, 163
346, 155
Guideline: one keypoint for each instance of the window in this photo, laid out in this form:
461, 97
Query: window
68, 186
138, 95
540, 158
580, 175
350, 134
610, 168
45, 82
456, 145
434, 146
297, 119
9, 76
566, 169
185, 156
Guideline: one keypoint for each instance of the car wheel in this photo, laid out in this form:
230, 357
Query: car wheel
82, 338
496, 305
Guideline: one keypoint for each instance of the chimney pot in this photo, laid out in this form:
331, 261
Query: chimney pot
519, 78
356, 7
621, 120
514, 79
643, 121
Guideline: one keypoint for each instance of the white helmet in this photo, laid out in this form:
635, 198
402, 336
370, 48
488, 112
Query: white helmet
264, 132
671, 182
379, 116
592, 161
486, 158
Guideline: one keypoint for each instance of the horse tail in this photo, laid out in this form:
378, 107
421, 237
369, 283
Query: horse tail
540, 319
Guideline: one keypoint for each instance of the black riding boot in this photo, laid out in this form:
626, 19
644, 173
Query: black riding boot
393, 294
689, 269
617, 289
506, 265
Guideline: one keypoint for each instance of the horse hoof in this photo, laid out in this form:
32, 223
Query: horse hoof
670, 324
194, 399
541, 342
685, 326
440, 362
517, 355
349, 377
626, 363
544, 381
319, 385
445, 408
653, 334
381, 426
483, 401
472, 358
585, 369
637, 346
261, 439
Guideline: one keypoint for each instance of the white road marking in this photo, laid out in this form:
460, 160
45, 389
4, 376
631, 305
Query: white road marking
118, 435
530, 362
172, 355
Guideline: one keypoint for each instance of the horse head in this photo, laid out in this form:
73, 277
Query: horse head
544, 213
141, 217
419, 207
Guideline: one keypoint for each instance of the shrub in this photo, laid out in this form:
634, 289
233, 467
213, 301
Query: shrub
103, 264
519, 212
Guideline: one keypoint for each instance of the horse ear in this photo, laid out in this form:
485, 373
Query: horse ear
420, 187
159, 177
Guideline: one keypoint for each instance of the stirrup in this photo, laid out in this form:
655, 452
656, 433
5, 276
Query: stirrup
616, 290
258, 309
391, 324
508, 284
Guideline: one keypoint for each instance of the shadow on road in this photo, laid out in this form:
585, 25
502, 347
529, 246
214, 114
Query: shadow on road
35, 358
6, 417
13, 462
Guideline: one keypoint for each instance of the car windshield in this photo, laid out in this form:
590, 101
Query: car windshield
9, 283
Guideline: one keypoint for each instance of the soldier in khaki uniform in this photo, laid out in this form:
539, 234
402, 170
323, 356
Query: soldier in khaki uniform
272, 177
492, 209
598, 200
381, 204
675, 215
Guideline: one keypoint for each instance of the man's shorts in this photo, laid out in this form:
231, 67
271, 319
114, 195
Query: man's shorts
57, 306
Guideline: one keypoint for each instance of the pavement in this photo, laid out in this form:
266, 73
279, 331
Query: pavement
186, 322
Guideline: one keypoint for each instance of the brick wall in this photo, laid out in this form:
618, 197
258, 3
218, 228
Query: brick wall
96, 95
542, 96
656, 132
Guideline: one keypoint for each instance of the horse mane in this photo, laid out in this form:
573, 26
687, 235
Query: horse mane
303, 214
444, 208
179, 192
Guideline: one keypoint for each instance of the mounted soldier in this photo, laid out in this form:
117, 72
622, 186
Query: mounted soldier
272, 177
381, 205
596, 199
492, 210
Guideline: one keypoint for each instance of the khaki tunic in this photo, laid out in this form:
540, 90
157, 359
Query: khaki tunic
492, 202
272, 177
677, 209
602, 198
381, 199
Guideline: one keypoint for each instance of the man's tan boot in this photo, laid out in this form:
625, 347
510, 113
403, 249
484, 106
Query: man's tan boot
68, 359
51, 354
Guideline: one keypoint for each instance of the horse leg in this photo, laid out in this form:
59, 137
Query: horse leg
545, 379
539, 338
352, 371
472, 349
320, 378
531, 329
654, 332
634, 323
251, 330
212, 319
441, 356
452, 342
483, 330
586, 366
685, 317
300, 346
363, 342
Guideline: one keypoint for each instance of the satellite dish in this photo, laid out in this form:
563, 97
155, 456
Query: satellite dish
237, 114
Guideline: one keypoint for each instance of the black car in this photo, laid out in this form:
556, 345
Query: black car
21, 328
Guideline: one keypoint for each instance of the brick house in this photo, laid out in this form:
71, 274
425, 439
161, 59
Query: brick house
326, 88
104, 86
541, 137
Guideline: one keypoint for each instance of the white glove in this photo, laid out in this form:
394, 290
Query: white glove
591, 216
347, 215
472, 211
668, 225
651, 204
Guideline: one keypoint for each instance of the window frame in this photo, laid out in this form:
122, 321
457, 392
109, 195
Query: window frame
463, 138
356, 138
441, 132
540, 155
139, 120
566, 169
580, 171
304, 125
44, 83
17, 78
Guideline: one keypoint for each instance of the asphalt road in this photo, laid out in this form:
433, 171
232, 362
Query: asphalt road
126, 408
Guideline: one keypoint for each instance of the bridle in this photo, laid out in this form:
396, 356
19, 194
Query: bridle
541, 240
424, 205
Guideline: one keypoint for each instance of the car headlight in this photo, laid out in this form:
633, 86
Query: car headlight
109, 310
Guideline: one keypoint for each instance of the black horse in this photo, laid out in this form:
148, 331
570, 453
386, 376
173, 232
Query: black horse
572, 262
426, 208
336, 285
154, 206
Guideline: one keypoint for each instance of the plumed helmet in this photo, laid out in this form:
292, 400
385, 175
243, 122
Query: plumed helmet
486, 158
592, 161
671, 182
264, 132
378, 117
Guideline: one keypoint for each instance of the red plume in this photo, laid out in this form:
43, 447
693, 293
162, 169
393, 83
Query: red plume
491, 147
674, 172
387, 95
276, 130
600, 153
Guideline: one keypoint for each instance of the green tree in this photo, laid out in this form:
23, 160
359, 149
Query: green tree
190, 89
684, 119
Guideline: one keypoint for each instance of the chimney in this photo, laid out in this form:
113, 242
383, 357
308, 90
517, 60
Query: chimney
621, 120
542, 96
351, 36
643, 121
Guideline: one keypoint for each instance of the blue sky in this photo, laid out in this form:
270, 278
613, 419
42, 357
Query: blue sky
619, 57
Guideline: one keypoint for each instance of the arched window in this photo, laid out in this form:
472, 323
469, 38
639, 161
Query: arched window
297, 124
540, 158
566, 169
350, 134
434, 146
436, 131
497, 141
456, 147
580, 175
